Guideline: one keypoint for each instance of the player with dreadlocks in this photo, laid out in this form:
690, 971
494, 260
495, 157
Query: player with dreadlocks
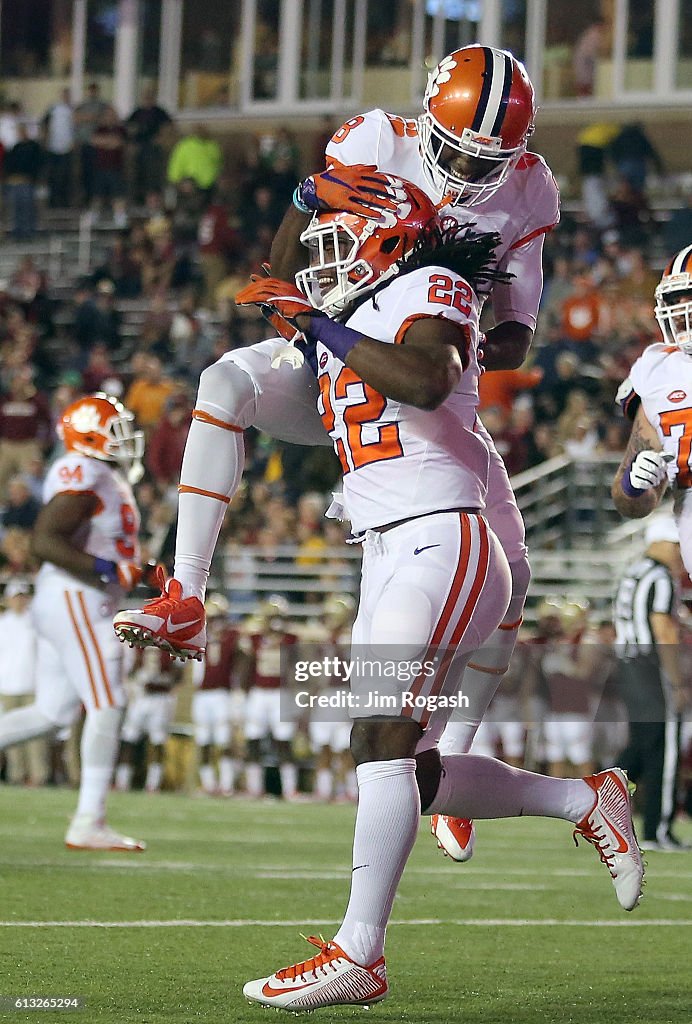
390, 326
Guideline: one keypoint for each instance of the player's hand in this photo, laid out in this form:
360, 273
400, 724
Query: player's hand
279, 302
152, 574
128, 575
648, 470
359, 189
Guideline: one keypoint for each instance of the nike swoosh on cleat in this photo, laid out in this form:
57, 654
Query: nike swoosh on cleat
267, 990
181, 625
417, 551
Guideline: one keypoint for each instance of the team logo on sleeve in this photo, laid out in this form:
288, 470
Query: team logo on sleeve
677, 396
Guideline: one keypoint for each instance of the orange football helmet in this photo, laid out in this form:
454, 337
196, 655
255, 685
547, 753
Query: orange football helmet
479, 103
101, 427
350, 255
673, 309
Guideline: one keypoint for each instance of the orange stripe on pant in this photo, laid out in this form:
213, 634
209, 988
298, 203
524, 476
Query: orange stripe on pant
102, 666
85, 652
452, 598
467, 611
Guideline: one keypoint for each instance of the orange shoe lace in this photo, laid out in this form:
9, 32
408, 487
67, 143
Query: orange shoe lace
327, 953
171, 593
595, 838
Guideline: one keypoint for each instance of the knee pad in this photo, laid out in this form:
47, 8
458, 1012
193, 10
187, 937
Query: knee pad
227, 392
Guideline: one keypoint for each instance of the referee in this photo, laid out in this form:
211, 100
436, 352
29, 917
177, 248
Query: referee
647, 642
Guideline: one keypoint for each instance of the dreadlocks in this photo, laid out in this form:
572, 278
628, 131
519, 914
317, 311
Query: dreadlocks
468, 253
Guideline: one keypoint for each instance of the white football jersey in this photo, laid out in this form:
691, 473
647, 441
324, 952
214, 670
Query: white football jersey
524, 208
112, 532
662, 379
399, 461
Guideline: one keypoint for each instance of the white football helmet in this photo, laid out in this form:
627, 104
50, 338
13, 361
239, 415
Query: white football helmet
673, 307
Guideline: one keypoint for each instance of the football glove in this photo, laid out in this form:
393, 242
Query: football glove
648, 470
125, 574
279, 303
359, 189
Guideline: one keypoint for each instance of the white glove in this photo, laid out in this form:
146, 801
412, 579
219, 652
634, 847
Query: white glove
648, 470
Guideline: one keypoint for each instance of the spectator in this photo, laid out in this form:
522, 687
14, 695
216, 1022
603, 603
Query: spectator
98, 369
501, 387
22, 166
633, 153
9, 125
59, 140
218, 241
592, 148
166, 444
146, 128
591, 45
146, 397
581, 313
108, 142
678, 230
96, 319
25, 425
87, 117
18, 645
196, 156
22, 507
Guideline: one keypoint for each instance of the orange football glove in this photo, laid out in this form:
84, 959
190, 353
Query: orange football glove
360, 189
279, 303
129, 575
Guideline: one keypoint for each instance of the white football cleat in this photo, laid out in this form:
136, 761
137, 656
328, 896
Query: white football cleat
173, 623
456, 837
609, 827
87, 834
330, 978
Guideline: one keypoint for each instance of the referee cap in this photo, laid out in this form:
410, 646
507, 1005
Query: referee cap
662, 528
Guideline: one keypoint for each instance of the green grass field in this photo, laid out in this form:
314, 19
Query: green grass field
529, 932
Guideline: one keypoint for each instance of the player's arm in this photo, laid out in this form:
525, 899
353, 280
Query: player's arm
422, 371
53, 536
641, 478
506, 346
288, 255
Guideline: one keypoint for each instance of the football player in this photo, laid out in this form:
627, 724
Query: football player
86, 537
657, 396
397, 363
468, 149
266, 638
218, 705
149, 714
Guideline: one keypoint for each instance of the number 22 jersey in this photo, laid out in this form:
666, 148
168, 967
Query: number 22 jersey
399, 461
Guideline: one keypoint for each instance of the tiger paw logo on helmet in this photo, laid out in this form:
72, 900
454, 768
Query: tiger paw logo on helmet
440, 75
86, 418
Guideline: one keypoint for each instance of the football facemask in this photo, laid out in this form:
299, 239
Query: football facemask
350, 255
478, 112
673, 309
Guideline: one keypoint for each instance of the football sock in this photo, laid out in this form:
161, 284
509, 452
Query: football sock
98, 749
207, 776
254, 779
123, 777
289, 779
323, 784
228, 768
211, 471
386, 826
154, 777
23, 724
483, 787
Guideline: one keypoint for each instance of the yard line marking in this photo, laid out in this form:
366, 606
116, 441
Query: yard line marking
416, 922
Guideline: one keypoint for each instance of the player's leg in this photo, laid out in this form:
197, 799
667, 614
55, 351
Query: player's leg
203, 721
490, 662
256, 727
454, 595
243, 388
133, 730
82, 637
160, 715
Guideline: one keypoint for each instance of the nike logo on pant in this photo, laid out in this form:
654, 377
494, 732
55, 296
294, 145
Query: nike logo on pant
417, 551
